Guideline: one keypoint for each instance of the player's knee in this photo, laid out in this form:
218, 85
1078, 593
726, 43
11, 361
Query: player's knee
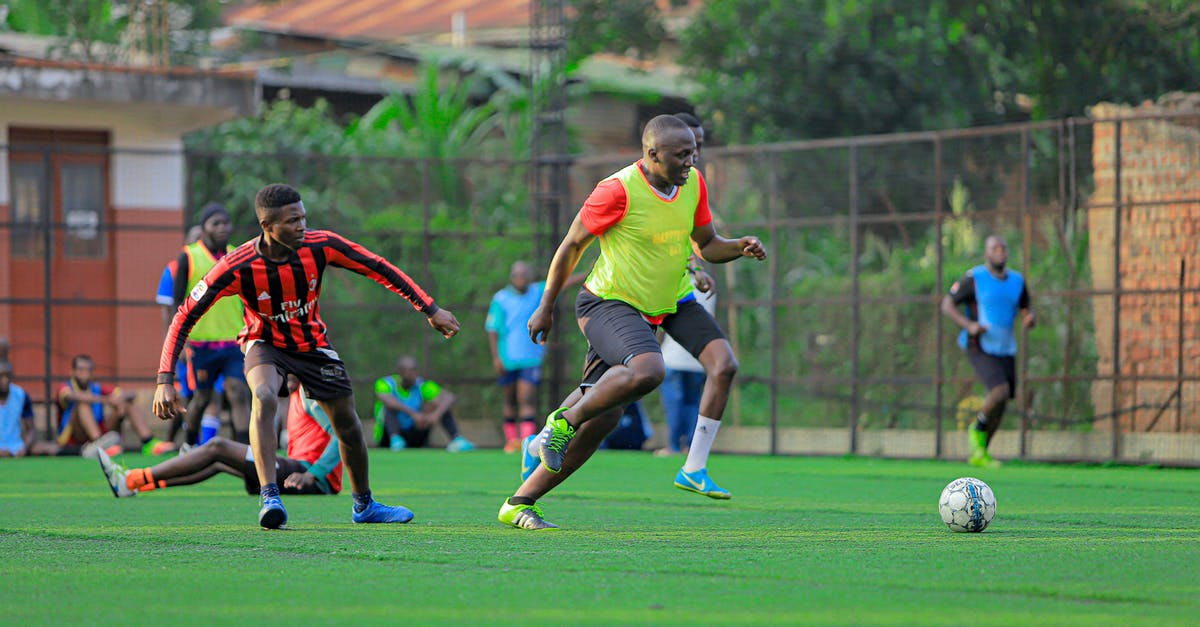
726, 368
648, 376
267, 399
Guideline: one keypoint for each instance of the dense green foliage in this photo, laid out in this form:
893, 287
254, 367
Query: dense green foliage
804, 541
107, 30
775, 69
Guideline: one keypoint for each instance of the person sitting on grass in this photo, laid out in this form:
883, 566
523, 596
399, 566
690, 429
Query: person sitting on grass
408, 405
17, 435
313, 464
89, 411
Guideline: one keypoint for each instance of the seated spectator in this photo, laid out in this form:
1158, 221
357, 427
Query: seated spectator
313, 464
407, 406
17, 435
88, 411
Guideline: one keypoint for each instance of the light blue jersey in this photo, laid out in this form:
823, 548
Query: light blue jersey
508, 317
994, 303
15, 408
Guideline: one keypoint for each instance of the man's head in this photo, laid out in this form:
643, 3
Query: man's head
995, 252
520, 276
697, 127
281, 214
406, 367
668, 150
215, 226
82, 367
6, 373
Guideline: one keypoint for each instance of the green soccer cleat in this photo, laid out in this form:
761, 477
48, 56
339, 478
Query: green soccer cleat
524, 517
553, 450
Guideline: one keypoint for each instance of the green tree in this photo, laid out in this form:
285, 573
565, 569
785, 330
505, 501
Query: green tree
776, 69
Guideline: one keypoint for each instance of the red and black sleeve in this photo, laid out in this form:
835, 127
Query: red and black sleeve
344, 253
220, 282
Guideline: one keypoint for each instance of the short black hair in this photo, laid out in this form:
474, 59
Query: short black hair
659, 126
269, 199
6, 365
689, 119
78, 358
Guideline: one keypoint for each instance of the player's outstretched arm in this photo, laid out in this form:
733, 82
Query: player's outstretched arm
716, 249
570, 250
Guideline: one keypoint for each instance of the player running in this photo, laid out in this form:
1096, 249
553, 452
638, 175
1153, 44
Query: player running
278, 277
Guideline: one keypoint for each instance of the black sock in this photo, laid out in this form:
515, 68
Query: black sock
981, 422
271, 490
242, 437
361, 501
521, 500
146, 440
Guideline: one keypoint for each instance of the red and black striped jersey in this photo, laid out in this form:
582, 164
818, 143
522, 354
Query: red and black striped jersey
280, 297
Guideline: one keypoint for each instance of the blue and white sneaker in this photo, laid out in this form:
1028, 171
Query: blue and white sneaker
529, 459
377, 512
700, 483
272, 515
460, 445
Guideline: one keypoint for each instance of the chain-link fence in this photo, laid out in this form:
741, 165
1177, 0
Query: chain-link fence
842, 346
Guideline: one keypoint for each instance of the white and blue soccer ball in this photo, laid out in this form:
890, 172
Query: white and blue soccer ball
967, 504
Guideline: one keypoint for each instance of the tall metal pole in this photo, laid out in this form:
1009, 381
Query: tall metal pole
1116, 287
549, 158
856, 313
939, 219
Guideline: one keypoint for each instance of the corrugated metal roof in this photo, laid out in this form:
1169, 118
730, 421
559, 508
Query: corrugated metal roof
379, 20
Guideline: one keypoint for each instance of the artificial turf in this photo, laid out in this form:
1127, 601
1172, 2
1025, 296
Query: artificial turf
804, 541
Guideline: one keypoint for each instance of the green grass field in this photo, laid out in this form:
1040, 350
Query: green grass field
804, 540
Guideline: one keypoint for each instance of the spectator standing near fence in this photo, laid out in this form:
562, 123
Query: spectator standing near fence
516, 359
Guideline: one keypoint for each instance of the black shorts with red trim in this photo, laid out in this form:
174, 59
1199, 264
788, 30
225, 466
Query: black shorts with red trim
321, 372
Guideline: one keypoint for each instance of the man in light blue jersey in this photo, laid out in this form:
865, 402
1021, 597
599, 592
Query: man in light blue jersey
992, 297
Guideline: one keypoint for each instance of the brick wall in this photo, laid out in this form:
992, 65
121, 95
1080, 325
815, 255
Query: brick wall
1160, 221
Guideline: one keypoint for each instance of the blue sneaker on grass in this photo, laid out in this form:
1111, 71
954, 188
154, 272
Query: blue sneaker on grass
377, 512
529, 451
272, 515
700, 483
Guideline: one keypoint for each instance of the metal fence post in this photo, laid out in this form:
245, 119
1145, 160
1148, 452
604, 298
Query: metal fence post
938, 219
1116, 287
855, 297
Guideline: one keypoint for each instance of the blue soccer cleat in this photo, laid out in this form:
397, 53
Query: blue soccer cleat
377, 512
700, 483
272, 515
529, 452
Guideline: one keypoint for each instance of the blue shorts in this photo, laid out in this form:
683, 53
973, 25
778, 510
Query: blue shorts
532, 376
208, 365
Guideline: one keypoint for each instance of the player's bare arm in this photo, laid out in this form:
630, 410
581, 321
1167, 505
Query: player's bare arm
972, 327
565, 259
716, 249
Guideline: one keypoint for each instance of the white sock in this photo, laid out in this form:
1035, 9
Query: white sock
702, 441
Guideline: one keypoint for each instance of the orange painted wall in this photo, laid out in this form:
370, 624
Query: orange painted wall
140, 256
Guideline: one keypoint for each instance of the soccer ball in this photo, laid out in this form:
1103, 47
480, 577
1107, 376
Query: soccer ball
967, 504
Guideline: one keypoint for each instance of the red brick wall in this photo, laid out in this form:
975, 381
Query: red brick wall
1160, 172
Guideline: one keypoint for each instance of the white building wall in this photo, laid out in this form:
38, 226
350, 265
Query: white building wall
149, 176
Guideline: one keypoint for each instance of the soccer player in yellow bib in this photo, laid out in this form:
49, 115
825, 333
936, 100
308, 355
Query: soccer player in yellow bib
212, 347
648, 217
